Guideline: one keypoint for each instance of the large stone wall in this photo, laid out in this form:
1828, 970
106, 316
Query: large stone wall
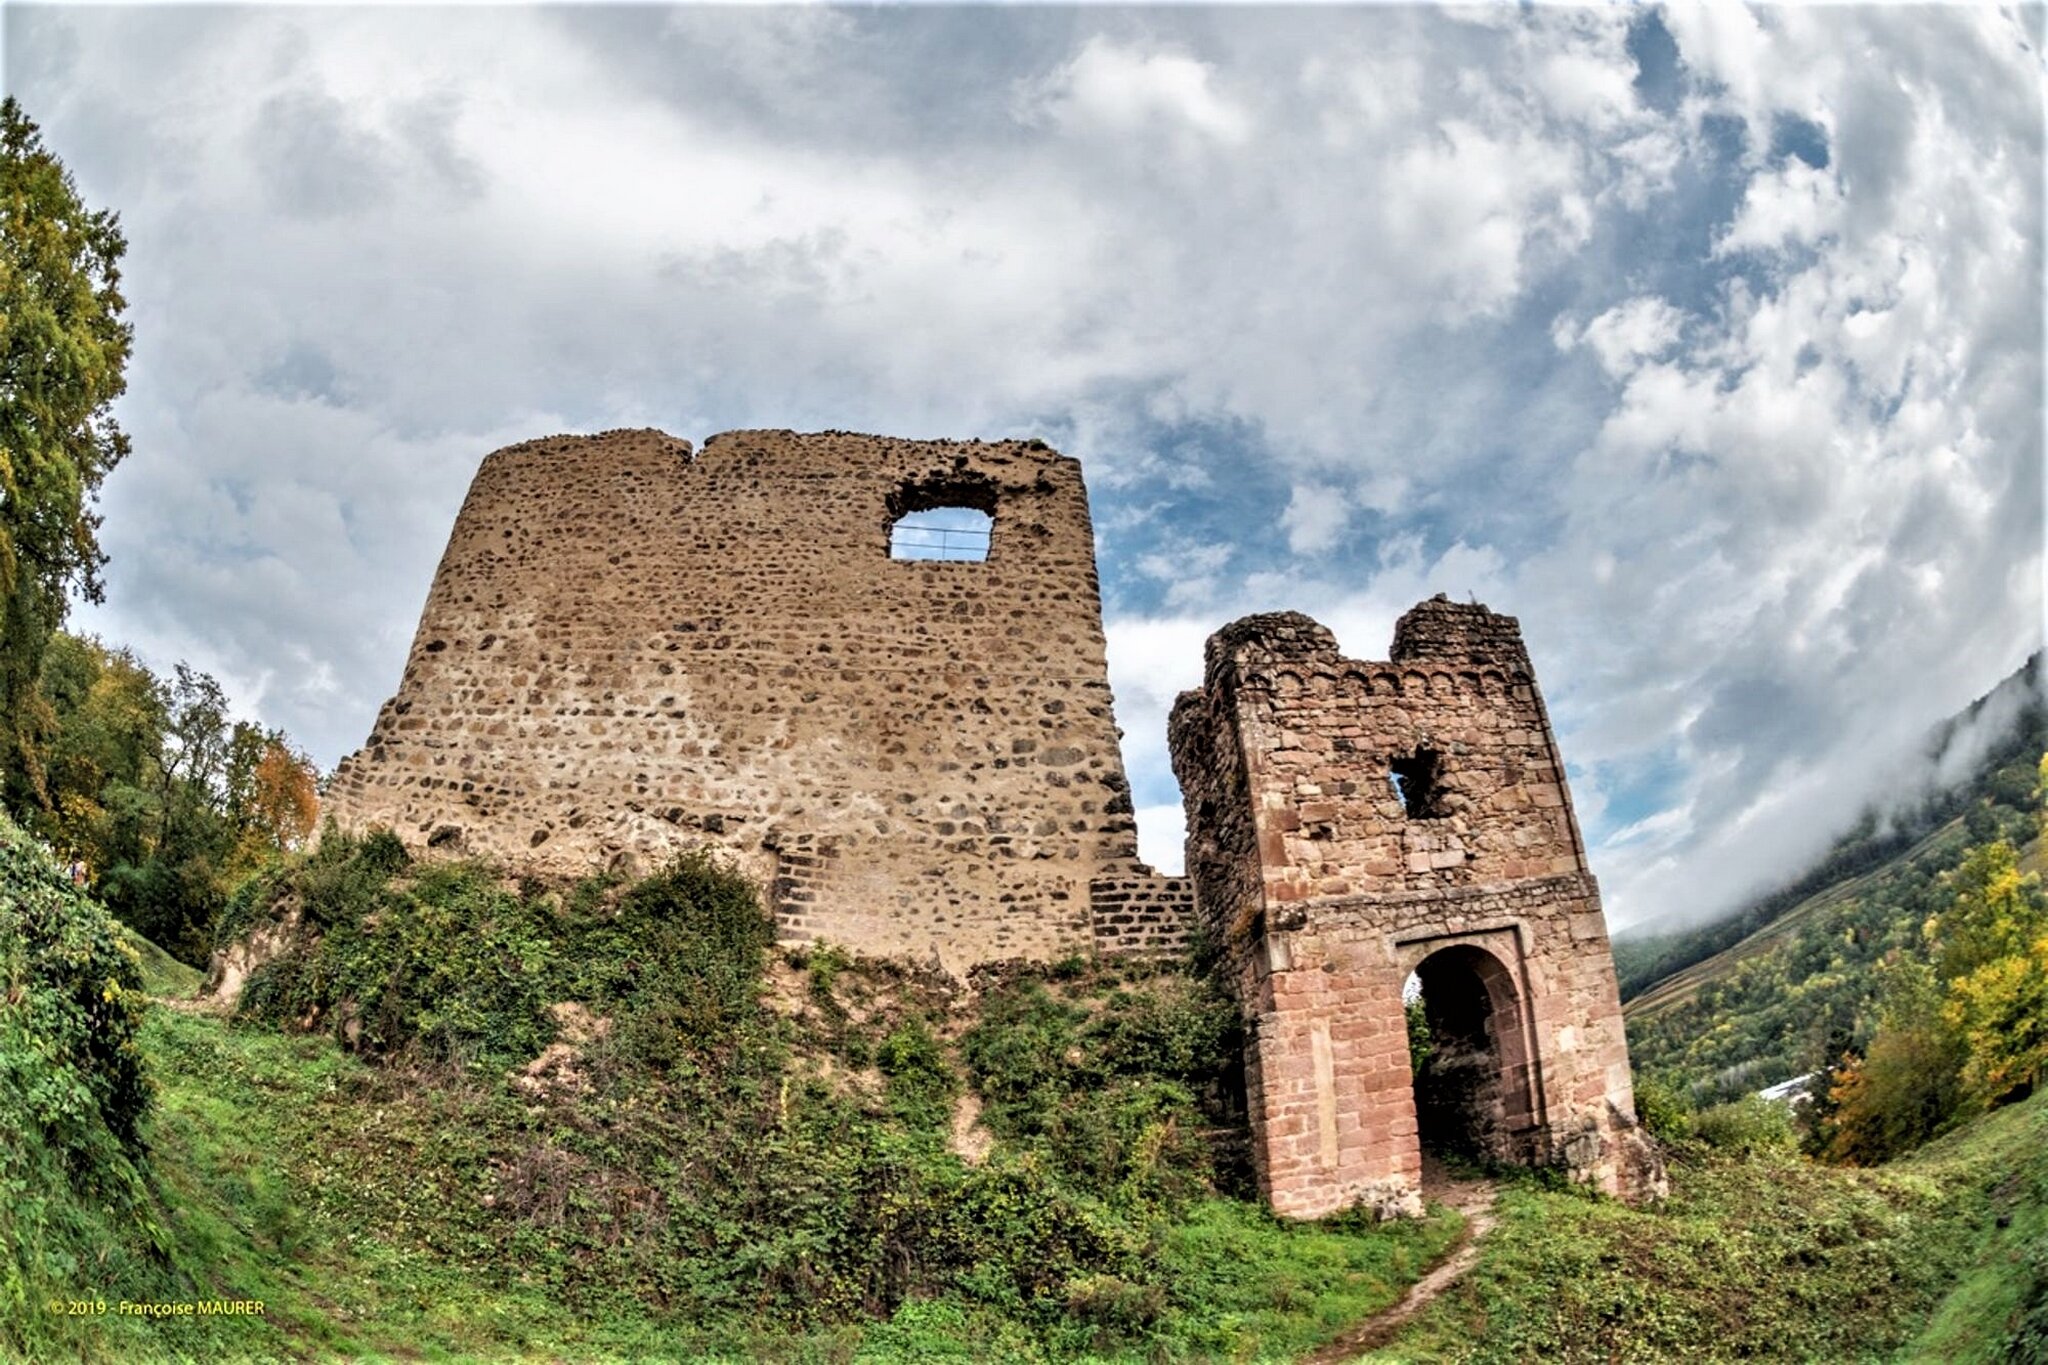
629, 649
1327, 883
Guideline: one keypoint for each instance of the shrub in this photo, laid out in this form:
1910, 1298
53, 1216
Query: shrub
1663, 1110
73, 1093
73, 1002
921, 1084
445, 960
1119, 1098
1748, 1126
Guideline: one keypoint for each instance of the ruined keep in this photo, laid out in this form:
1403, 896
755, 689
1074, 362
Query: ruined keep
1351, 823
631, 648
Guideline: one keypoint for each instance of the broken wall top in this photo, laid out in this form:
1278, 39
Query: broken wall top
630, 648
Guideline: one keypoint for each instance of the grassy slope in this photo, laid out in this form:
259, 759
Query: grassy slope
1765, 1257
2005, 1159
352, 1202
162, 974
347, 1199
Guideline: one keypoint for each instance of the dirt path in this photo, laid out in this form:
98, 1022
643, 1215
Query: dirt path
1474, 1199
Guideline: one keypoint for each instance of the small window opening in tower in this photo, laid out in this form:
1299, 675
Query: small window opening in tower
1415, 780
951, 533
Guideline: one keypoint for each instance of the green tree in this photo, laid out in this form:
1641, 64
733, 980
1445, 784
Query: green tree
1907, 1087
1993, 950
63, 347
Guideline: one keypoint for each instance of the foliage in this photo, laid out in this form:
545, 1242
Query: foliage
1121, 1094
165, 800
73, 1093
1663, 1110
1760, 1257
63, 347
1420, 1044
1906, 1087
1812, 986
1750, 1126
1991, 946
921, 1081
1962, 1031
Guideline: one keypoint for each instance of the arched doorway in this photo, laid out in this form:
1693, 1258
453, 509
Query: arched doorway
1469, 1056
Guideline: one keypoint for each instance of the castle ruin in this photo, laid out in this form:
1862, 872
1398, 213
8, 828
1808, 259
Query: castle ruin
1351, 824
631, 648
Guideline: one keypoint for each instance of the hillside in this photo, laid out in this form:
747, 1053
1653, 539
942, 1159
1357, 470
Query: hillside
805, 1157
609, 1122
1760, 1255
1782, 988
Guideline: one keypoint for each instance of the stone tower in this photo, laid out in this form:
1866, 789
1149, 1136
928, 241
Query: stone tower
630, 649
1351, 823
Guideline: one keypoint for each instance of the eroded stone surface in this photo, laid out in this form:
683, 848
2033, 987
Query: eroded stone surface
1327, 882
630, 649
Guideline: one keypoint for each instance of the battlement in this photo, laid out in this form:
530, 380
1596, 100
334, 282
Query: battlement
632, 648
1353, 822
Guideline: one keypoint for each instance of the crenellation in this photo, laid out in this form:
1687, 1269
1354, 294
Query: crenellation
1352, 822
632, 648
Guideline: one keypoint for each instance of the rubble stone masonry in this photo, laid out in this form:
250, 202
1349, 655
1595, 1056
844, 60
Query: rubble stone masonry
1351, 823
630, 649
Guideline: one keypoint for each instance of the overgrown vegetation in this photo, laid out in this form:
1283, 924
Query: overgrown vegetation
596, 1100
613, 1122
1762, 1255
164, 803
75, 1196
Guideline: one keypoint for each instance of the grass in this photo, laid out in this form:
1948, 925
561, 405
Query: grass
353, 1203
1764, 1257
1998, 1308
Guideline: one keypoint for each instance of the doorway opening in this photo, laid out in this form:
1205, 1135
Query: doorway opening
1468, 1057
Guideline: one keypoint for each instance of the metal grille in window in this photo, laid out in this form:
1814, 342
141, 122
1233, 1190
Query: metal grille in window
950, 533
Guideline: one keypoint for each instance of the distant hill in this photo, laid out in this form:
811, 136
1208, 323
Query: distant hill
1774, 990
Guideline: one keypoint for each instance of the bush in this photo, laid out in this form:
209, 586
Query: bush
1749, 1126
73, 1003
1119, 1098
73, 1092
447, 962
921, 1083
1663, 1110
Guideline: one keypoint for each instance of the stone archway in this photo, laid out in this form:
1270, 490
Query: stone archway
1474, 1089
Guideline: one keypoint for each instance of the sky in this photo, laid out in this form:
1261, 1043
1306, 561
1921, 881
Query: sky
1707, 341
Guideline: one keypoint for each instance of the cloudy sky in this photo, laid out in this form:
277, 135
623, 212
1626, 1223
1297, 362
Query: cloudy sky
1707, 341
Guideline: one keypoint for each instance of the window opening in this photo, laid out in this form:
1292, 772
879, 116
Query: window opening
959, 534
1416, 781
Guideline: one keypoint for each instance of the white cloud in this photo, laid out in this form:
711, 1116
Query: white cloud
1794, 206
1753, 448
1315, 517
1162, 837
1624, 336
1113, 88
